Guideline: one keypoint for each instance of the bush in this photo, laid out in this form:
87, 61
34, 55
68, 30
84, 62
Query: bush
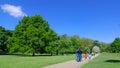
96, 49
115, 46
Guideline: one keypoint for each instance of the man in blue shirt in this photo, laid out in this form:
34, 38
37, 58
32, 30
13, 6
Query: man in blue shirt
78, 55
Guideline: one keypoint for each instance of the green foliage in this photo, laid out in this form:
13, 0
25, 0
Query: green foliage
86, 43
4, 35
75, 42
32, 35
51, 41
87, 50
115, 46
96, 49
63, 44
96, 43
68, 44
104, 47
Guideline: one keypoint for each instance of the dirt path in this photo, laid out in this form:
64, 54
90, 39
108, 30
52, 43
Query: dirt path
69, 64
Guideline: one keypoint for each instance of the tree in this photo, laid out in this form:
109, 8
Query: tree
4, 35
87, 50
103, 47
32, 35
96, 43
115, 46
74, 43
63, 44
68, 44
86, 44
96, 49
96, 46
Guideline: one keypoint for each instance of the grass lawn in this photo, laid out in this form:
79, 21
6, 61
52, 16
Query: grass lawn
105, 60
12, 61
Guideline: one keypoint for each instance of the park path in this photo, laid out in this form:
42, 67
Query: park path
70, 64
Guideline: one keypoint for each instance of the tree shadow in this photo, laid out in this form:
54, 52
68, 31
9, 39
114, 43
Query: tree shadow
27, 55
113, 61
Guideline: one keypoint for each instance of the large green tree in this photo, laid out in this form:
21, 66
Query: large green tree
32, 35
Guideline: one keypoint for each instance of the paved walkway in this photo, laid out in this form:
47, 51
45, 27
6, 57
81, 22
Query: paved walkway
69, 64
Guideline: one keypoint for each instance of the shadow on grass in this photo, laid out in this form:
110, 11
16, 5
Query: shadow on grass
113, 61
27, 55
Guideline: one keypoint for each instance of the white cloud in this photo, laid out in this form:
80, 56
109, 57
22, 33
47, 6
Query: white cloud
15, 11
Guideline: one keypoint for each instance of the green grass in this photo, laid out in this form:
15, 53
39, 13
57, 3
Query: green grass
105, 60
12, 61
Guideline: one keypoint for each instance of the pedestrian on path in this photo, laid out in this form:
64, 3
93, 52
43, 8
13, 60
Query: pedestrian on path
78, 55
85, 56
89, 56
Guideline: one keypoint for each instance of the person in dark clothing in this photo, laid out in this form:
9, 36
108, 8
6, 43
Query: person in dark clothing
78, 55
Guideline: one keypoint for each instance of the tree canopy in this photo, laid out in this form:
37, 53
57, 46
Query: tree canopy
31, 35
115, 46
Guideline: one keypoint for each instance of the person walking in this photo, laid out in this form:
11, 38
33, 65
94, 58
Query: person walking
78, 55
89, 56
85, 56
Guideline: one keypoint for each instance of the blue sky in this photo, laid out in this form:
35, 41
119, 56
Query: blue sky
95, 19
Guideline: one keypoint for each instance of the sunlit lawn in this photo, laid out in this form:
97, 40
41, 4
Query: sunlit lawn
12, 61
105, 60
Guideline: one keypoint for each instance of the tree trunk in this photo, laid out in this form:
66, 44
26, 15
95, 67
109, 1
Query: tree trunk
62, 53
33, 54
3, 48
51, 54
57, 52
